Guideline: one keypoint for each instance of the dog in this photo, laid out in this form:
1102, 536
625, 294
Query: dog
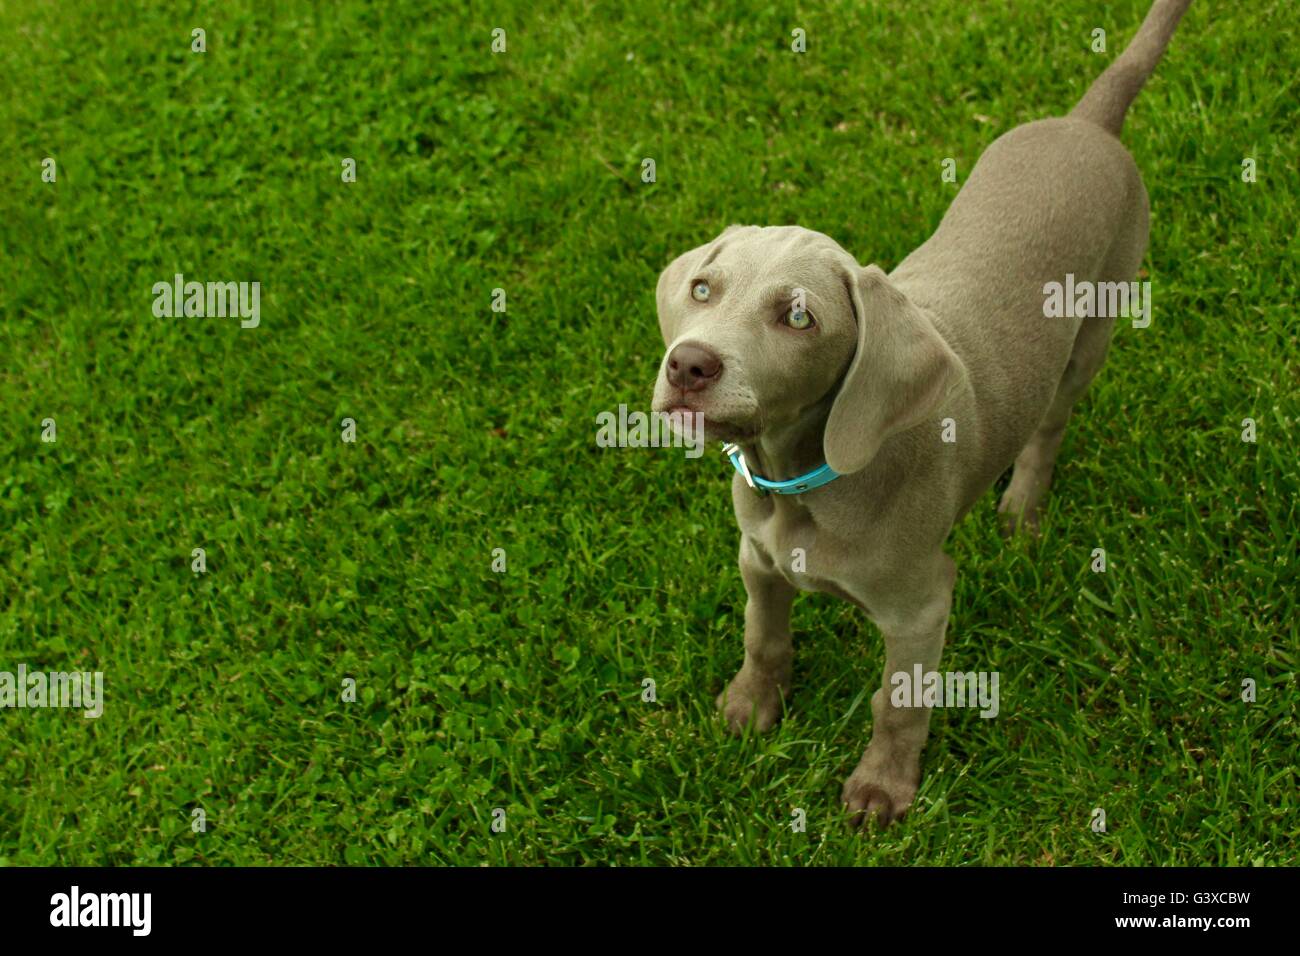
866, 413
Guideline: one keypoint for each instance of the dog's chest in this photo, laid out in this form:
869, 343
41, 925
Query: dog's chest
791, 538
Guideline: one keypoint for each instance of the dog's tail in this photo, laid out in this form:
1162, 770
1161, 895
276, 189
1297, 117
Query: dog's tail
1110, 95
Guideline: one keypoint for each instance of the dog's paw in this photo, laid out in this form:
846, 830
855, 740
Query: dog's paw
748, 698
881, 793
1016, 516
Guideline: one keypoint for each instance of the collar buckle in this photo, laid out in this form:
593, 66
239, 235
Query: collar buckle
794, 486
732, 451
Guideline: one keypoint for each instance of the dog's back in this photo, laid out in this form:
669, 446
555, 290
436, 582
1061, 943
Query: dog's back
1048, 199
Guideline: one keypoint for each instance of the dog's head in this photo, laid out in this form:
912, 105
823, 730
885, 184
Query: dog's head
764, 325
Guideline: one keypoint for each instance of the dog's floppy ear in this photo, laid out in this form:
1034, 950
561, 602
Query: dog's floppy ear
900, 374
674, 275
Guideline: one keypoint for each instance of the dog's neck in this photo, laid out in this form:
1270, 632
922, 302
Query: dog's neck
782, 452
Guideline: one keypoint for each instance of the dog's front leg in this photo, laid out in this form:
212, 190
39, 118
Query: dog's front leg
758, 689
913, 625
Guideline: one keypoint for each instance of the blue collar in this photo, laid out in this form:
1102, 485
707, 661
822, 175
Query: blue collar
819, 476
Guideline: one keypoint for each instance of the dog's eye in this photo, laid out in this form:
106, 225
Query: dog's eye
700, 291
798, 320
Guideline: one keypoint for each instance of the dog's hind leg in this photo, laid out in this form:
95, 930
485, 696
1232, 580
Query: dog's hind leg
1021, 503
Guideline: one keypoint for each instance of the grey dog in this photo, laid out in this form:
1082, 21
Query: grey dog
868, 412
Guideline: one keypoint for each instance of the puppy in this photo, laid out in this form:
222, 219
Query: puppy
866, 413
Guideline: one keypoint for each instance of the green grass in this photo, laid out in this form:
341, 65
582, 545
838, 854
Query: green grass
476, 431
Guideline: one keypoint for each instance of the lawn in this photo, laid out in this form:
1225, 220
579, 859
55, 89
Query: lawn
372, 561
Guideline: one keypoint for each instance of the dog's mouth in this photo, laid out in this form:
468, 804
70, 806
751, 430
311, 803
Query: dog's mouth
716, 428
720, 429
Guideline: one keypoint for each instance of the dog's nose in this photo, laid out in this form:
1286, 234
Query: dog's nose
692, 367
